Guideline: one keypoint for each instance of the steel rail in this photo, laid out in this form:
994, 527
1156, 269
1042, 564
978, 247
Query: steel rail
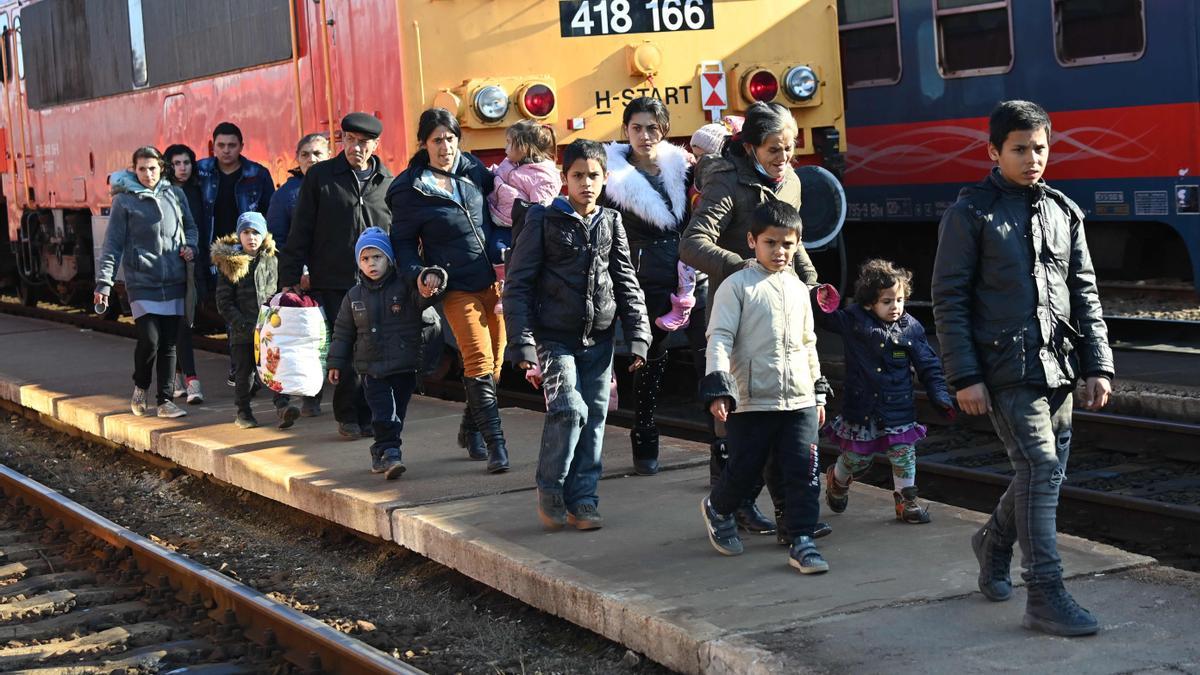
306, 642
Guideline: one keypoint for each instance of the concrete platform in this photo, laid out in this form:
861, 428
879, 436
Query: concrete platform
897, 595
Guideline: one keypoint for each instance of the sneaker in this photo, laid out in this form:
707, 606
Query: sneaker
1051, 609
180, 386
837, 496
231, 380
137, 403
194, 395
310, 407
169, 409
366, 431
805, 557
995, 559
392, 466
377, 465
245, 420
750, 519
907, 508
585, 517
551, 510
287, 416
722, 530
348, 430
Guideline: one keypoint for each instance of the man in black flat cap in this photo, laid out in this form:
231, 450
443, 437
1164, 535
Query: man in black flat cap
339, 198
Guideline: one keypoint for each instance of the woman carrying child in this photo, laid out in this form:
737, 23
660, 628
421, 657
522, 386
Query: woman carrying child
883, 345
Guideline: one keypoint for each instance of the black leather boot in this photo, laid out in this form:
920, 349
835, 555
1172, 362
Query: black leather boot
785, 539
481, 399
1051, 609
470, 438
645, 451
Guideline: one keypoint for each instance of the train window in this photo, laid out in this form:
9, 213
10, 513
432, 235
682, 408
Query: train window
974, 37
6, 52
869, 32
137, 44
1098, 31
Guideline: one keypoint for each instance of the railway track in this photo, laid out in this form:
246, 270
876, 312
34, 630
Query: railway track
1131, 480
80, 594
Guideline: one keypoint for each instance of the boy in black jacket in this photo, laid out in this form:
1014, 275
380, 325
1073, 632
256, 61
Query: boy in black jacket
248, 275
1019, 321
381, 330
569, 276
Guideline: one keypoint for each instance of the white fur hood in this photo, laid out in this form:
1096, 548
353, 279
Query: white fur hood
629, 191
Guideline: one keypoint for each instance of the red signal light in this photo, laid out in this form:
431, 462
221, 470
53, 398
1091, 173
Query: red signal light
762, 85
537, 100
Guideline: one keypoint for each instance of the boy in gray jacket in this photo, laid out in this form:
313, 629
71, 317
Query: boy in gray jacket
762, 382
1018, 318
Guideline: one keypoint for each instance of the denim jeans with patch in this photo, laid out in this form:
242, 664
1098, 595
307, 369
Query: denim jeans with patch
576, 383
1035, 426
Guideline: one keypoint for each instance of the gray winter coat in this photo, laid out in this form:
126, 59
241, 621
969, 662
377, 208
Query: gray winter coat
1014, 292
147, 228
244, 283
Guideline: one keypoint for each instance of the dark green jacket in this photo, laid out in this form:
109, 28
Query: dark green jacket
244, 283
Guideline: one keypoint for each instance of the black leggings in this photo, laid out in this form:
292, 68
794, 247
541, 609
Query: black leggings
183, 349
647, 382
155, 352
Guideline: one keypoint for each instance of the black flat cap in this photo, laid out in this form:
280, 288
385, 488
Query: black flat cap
362, 123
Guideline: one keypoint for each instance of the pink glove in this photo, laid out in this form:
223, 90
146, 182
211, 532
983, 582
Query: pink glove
828, 298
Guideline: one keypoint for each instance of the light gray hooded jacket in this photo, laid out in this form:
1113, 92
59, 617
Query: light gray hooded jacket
146, 230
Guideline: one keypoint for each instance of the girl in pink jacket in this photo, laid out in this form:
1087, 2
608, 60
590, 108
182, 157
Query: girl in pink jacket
527, 172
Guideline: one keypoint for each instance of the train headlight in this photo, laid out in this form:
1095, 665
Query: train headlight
760, 85
491, 103
800, 83
537, 101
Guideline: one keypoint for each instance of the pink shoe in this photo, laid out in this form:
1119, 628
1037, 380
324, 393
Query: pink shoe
680, 314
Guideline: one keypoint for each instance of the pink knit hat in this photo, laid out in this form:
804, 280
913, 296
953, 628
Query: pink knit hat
709, 138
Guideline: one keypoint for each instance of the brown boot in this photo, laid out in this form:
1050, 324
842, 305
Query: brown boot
907, 508
837, 495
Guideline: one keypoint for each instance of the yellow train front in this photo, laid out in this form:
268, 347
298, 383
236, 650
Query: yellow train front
575, 64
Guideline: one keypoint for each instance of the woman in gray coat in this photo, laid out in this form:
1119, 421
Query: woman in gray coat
151, 234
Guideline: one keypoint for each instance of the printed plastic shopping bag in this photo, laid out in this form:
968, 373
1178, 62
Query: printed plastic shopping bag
290, 343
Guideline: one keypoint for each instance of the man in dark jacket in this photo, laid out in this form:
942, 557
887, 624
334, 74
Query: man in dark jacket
339, 199
382, 328
569, 279
1018, 317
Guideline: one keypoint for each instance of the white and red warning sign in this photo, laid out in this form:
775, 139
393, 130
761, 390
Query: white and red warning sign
714, 95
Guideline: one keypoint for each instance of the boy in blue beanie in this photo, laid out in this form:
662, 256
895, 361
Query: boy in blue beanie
382, 329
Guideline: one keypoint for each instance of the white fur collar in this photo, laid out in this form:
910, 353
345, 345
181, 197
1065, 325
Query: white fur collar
629, 190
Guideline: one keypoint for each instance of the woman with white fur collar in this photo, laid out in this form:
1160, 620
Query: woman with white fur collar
648, 180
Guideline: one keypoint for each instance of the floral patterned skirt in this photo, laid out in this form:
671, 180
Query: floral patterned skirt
871, 439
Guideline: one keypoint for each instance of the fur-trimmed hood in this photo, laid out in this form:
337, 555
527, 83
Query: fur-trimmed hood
628, 190
234, 263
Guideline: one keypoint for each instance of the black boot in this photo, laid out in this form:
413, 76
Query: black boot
995, 557
645, 451
784, 539
1051, 609
481, 399
470, 438
718, 456
750, 519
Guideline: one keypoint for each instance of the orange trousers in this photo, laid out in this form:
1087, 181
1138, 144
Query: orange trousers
478, 330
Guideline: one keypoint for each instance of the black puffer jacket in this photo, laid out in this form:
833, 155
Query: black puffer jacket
244, 283
431, 230
330, 212
568, 279
383, 327
653, 224
1014, 291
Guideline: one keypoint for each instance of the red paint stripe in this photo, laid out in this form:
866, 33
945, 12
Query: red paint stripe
1133, 142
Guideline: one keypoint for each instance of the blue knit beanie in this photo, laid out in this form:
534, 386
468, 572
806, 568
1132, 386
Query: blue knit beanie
374, 237
252, 220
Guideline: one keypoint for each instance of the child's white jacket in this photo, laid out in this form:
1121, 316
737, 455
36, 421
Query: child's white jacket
762, 350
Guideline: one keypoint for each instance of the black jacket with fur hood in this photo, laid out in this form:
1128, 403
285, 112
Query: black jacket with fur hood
653, 224
244, 283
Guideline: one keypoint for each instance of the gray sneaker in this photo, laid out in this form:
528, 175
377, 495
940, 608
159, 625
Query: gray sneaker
722, 530
551, 510
194, 395
585, 517
179, 386
169, 409
138, 402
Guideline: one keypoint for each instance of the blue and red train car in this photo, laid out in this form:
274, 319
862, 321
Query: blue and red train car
1120, 78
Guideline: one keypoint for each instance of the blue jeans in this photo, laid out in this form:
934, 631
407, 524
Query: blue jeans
576, 382
790, 438
388, 398
1035, 426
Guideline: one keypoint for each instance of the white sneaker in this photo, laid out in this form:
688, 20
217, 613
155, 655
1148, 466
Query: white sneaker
138, 403
194, 395
169, 409
180, 387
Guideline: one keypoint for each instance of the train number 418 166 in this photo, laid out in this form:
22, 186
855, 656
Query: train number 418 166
583, 18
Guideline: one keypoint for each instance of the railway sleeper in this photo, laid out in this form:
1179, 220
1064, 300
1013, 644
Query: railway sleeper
116, 639
45, 582
59, 601
31, 567
75, 622
152, 659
